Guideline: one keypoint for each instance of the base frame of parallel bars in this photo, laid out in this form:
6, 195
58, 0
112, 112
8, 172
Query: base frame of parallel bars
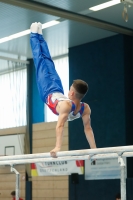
122, 177
17, 181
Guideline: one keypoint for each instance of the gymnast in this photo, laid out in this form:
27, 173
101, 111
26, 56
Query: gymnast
52, 93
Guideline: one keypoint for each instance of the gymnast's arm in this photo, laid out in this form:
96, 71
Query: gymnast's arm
64, 110
87, 127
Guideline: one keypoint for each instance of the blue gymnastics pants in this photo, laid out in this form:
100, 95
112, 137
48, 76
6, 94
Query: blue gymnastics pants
48, 80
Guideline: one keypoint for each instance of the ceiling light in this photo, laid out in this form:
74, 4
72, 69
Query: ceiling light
105, 5
26, 32
48, 24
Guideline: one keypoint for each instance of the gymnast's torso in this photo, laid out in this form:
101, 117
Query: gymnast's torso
53, 100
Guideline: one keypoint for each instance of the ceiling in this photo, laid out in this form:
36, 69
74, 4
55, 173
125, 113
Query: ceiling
78, 26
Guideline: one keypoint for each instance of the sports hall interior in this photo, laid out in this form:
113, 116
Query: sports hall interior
98, 48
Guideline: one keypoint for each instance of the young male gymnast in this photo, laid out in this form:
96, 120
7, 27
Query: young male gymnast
52, 93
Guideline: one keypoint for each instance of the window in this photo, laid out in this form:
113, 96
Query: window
13, 89
62, 69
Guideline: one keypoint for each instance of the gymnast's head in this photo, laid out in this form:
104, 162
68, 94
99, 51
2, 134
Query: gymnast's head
78, 90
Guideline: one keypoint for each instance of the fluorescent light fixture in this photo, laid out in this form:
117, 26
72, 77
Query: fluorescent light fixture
105, 5
48, 24
26, 32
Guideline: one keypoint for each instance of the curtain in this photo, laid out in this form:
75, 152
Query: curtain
13, 90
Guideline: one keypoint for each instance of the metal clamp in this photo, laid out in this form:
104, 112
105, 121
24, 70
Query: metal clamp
121, 161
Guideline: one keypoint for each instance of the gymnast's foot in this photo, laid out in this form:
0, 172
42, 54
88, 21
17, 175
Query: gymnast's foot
34, 27
39, 28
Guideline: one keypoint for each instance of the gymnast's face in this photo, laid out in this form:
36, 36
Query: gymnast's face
71, 92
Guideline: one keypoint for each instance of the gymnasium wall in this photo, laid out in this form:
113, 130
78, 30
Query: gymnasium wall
8, 178
128, 66
36, 104
48, 187
8, 182
106, 65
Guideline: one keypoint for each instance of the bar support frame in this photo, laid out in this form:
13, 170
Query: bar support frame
122, 178
17, 181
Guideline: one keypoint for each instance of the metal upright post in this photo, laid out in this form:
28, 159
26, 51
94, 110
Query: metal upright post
17, 181
123, 178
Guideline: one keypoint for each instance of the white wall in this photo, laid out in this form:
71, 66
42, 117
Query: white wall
12, 140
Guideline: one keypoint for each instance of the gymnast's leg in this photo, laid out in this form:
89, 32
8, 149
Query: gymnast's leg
48, 80
45, 51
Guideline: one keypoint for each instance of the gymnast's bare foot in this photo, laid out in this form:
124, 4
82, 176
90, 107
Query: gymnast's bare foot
54, 151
